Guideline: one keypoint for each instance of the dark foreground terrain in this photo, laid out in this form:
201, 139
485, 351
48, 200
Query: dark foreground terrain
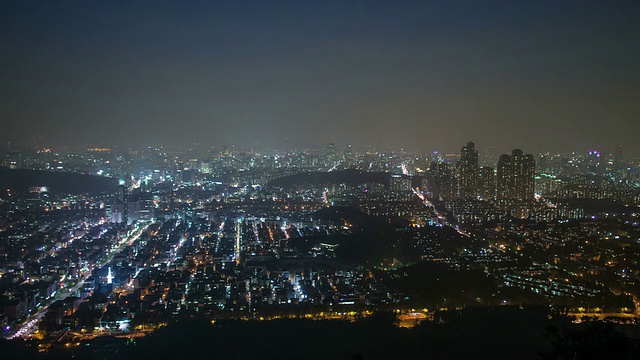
483, 333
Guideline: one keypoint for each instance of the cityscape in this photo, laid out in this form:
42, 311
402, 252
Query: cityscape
363, 180
333, 233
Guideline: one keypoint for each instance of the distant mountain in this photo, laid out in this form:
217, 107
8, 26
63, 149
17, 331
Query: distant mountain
20, 180
350, 177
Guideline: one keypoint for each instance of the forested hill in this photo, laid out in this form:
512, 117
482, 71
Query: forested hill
19, 181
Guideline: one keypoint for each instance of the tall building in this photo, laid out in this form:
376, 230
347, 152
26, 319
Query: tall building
618, 157
119, 206
527, 192
487, 183
440, 181
349, 157
516, 177
503, 179
331, 153
468, 172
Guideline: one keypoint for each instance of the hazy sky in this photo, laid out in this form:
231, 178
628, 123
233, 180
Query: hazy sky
422, 75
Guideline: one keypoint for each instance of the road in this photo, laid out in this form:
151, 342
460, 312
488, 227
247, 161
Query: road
70, 287
432, 207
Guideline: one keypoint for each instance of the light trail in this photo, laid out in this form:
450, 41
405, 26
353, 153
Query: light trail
432, 207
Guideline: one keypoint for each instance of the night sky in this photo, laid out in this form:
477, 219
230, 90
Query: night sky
538, 75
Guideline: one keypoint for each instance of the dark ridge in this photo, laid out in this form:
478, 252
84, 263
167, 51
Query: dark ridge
350, 177
20, 180
339, 214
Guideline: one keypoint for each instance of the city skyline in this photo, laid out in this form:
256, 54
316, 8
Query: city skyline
103, 247
414, 75
319, 179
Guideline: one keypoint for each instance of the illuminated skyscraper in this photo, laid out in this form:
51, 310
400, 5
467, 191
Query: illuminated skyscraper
331, 153
119, 206
516, 176
487, 183
349, 157
468, 172
503, 180
527, 192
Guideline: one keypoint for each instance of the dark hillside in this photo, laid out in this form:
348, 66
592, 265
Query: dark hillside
19, 181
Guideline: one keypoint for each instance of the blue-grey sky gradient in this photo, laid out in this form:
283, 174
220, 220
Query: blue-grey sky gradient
418, 74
